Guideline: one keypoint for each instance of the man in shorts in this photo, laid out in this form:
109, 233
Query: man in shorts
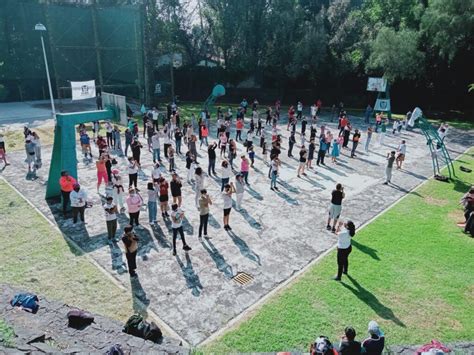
402, 150
335, 207
229, 189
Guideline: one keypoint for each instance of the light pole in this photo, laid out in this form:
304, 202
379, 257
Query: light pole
40, 27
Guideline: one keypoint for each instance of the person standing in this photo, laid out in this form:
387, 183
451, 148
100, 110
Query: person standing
389, 168
110, 209
335, 149
311, 149
192, 147
299, 110
175, 187
204, 203
335, 208
3, 151
402, 150
66, 183
355, 142
37, 142
198, 184
323, 146
229, 189
303, 155
244, 168
368, 113
152, 208
171, 158
211, 152
30, 154
117, 141
78, 202
130, 241
291, 143
369, 137
177, 216
132, 172
345, 232
274, 166
136, 151
101, 172
226, 172
383, 131
134, 203
178, 136
98, 101
239, 191
164, 196
128, 140
156, 144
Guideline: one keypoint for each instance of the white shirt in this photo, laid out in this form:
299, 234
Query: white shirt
199, 182
402, 149
274, 166
156, 173
226, 172
132, 169
109, 216
313, 110
343, 239
227, 200
154, 116
178, 214
155, 141
300, 107
78, 199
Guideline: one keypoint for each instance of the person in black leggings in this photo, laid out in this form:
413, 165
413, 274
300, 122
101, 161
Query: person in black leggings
345, 232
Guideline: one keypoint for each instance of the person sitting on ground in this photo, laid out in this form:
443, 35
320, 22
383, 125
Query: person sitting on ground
375, 344
322, 346
468, 202
348, 344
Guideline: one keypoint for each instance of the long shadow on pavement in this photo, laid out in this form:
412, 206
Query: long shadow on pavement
244, 248
192, 279
218, 258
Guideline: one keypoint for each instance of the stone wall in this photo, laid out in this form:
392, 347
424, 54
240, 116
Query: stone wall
47, 332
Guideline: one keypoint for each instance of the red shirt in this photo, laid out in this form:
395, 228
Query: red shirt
239, 124
164, 189
67, 183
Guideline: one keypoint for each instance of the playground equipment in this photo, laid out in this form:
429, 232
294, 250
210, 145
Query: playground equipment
64, 148
217, 91
438, 150
382, 104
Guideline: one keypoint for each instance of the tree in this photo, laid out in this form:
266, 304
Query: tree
395, 54
448, 26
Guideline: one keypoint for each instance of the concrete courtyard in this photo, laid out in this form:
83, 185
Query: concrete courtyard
275, 236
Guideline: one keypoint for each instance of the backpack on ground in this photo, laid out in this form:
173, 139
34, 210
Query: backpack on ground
115, 350
27, 301
138, 327
79, 319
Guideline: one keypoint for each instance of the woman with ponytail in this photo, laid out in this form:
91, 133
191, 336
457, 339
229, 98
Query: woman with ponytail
345, 232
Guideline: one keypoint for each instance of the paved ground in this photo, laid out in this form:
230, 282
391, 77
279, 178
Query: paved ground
276, 235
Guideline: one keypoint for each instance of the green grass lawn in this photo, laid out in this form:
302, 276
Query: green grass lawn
37, 258
6, 334
411, 270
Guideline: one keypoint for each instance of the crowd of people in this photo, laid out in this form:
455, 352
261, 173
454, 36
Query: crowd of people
166, 140
348, 345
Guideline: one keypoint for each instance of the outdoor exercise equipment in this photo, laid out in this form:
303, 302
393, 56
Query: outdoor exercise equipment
438, 150
64, 148
217, 91
382, 104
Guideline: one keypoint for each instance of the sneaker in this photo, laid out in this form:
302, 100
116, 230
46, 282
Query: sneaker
228, 228
174, 252
335, 278
271, 188
385, 183
328, 227
276, 188
206, 236
187, 248
225, 227
333, 230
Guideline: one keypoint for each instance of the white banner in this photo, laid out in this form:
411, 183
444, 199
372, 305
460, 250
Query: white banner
83, 89
377, 84
382, 105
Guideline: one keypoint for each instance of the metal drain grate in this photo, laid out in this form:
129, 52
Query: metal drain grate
243, 278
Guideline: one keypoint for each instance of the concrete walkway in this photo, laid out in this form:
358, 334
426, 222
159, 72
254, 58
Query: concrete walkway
275, 236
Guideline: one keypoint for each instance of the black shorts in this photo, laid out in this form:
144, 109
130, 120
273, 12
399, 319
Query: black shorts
227, 211
176, 194
164, 198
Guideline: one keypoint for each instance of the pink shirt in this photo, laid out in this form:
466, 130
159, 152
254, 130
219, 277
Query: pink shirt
244, 166
134, 203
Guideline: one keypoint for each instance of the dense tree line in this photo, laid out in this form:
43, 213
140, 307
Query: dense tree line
425, 45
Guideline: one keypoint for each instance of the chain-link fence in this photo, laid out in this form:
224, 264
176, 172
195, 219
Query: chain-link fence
83, 42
